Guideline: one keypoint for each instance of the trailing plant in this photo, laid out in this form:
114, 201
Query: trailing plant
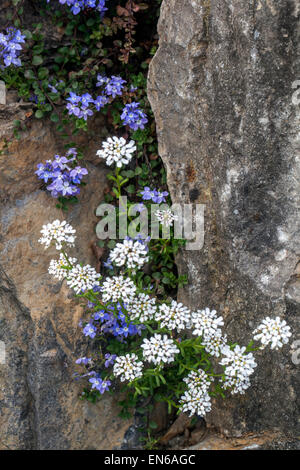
154, 345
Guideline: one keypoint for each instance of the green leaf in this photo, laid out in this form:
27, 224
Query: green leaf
54, 117
59, 59
43, 72
47, 107
138, 170
111, 244
37, 60
156, 275
27, 34
29, 74
152, 425
39, 114
130, 189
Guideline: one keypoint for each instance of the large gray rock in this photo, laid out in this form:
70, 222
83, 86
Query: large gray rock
222, 86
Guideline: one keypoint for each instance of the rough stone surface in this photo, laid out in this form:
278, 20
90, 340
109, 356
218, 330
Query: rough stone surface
262, 441
223, 89
39, 404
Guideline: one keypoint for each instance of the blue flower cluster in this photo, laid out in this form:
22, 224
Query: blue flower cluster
78, 5
97, 382
133, 116
81, 106
84, 360
10, 46
152, 194
100, 384
109, 359
62, 174
112, 322
113, 86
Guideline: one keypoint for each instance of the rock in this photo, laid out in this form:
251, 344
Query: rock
160, 416
39, 399
132, 438
223, 88
178, 427
198, 434
248, 442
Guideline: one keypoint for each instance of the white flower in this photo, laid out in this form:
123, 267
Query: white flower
174, 316
127, 367
116, 150
206, 323
60, 268
116, 288
195, 403
159, 349
214, 344
142, 307
58, 232
236, 384
238, 364
82, 278
274, 332
165, 217
198, 381
133, 253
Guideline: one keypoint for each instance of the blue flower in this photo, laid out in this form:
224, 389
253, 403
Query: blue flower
154, 195
99, 384
10, 47
83, 360
133, 116
90, 330
100, 102
109, 359
86, 99
78, 5
100, 315
108, 264
62, 177
73, 98
114, 86
147, 194
101, 80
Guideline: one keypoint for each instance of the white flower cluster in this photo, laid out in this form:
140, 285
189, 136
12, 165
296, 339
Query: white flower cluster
82, 278
238, 367
58, 232
116, 150
142, 307
159, 349
165, 217
116, 288
195, 402
206, 322
196, 399
198, 381
174, 316
133, 253
59, 268
272, 331
236, 385
127, 367
214, 344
